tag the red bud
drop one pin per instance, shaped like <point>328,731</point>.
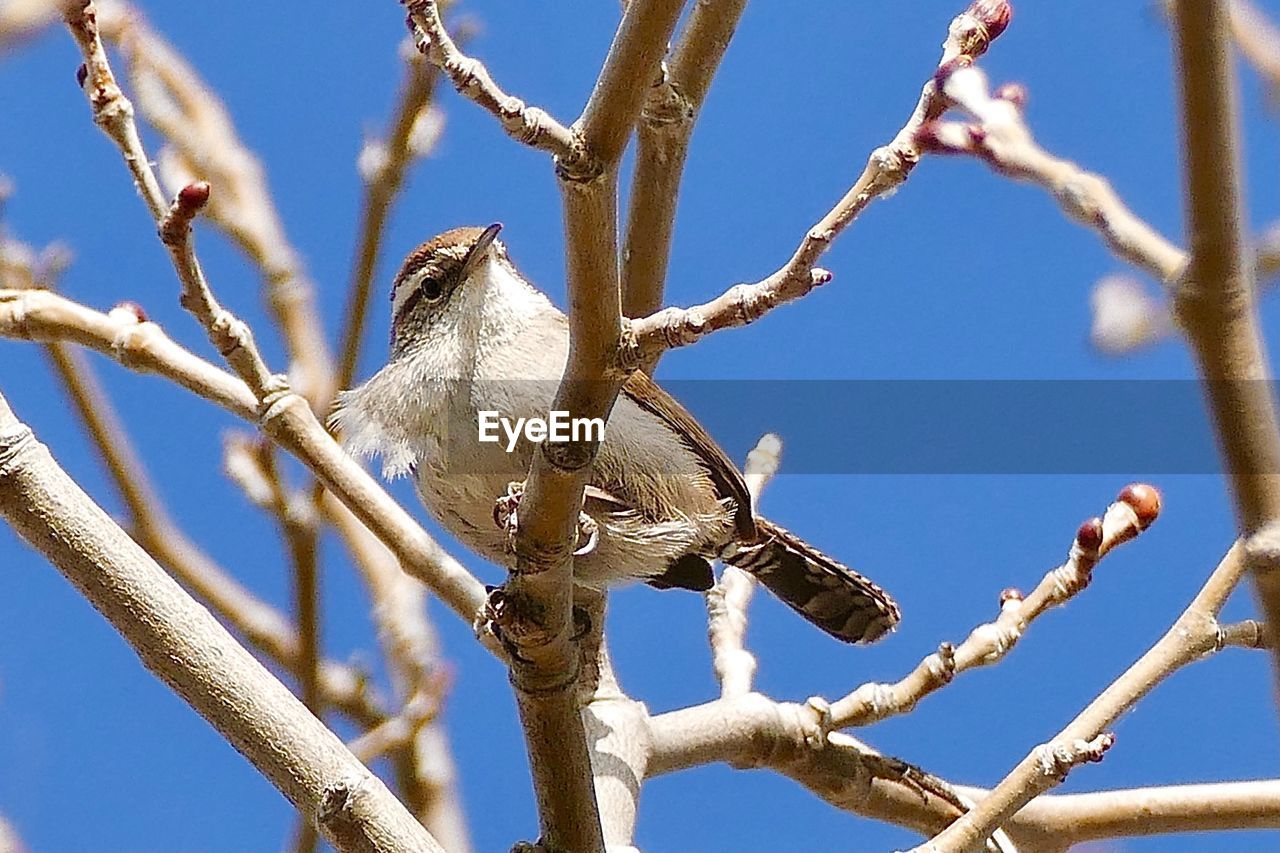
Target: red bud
<point>1145,502</point>
<point>994,15</point>
<point>195,194</point>
<point>1089,536</point>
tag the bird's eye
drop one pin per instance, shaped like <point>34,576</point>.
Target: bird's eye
<point>431,289</point>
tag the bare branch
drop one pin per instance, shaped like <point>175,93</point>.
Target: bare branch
<point>1075,818</point>
<point>269,630</point>
<point>1216,302</point>
<point>528,125</point>
<point>179,641</point>
<point>112,111</point>
<point>888,166</point>
<point>140,345</point>
<point>384,164</point>
<point>424,766</point>
<point>1195,634</point>
<point>1258,39</point>
<point>1001,138</point>
<point>662,144</point>
<point>1133,511</point>
<point>728,600</point>
<point>611,111</point>
<point>536,616</point>
<point>24,19</point>
<point>203,145</point>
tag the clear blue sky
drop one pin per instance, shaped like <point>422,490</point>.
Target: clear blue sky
<point>961,275</point>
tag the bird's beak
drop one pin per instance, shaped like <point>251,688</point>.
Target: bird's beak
<point>480,249</point>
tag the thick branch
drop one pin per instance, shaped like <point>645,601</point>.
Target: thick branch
<point>1075,818</point>
<point>181,643</point>
<point>1216,302</point>
<point>670,111</point>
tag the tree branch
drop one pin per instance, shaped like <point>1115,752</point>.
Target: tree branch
<point>182,644</point>
<point>670,111</point>
<point>1195,634</point>
<point>1001,138</point>
<point>528,125</point>
<point>203,145</point>
<point>968,37</point>
<point>1215,302</point>
<point>415,128</point>
<point>1133,511</point>
<point>140,345</point>
<point>727,601</point>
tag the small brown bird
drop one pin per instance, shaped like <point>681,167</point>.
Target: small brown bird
<point>473,339</point>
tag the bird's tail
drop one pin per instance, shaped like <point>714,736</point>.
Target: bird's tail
<point>827,593</point>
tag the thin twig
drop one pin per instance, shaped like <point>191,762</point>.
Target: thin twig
<point>968,37</point>
<point>528,125</point>
<point>203,145</point>
<point>1002,139</point>
<point>140,345</point>
<point>727,601</point>
<point>1133,511</point>
<point>1195,634</point>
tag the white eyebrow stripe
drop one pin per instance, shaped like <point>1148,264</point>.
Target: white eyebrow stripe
<point>407,288</point>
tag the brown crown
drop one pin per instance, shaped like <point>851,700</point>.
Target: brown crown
<point>451,239</point>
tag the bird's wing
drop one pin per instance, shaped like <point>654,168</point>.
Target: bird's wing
<point>726,477</point>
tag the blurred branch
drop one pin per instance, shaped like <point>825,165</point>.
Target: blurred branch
<point>1216,301</point>
<point>670,111</point>
<point>1133,511</point>
<point>182,644</point>
<point>202,144</point>
<point>423,763</point>
<point>269,630</point>
<point>1195,634</point>
<point>415,127</point>
<point>968,37</point>
<point>728,600</point>
<point>24,19</point>
<point>1257,38</point>
<point>10,841</point>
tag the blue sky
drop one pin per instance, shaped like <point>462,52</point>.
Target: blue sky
<point>961,275</point>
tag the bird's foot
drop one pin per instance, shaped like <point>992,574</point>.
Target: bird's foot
<point>588,530</point>
<point>505,511</point>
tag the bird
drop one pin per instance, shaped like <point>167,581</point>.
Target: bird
<point>471,338</point>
